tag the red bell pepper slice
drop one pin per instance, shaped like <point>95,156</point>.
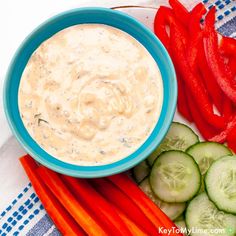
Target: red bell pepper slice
<point>232,64</point>
<point>227,108</point>
<point>193,50</point>
<point>221,137</point>
<point>228,46</point>
<point>228,50</point>
<point>205,129</point>
<point>192,80</point>
<point>195,31</point>
<point>163,19</point>
<point>182,103</point>
<point>196,15</point>
<point>180,12</point>
<point>218,68</point>
<point>212,86</point>
<point>231,139</point>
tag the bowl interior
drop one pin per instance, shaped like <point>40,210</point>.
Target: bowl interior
<point>80,16</point>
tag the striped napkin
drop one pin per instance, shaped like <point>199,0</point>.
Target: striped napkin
<point>21,212</point>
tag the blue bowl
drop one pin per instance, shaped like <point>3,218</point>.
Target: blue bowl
<point>80,16</point>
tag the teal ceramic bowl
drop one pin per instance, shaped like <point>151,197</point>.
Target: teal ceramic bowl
<point>49,28</point>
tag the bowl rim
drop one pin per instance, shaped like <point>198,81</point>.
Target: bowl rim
<point>101,170</point>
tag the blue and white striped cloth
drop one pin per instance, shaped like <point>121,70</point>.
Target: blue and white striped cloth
<point>21,212</point>
<point>25,214</point>
<point>226,16</point>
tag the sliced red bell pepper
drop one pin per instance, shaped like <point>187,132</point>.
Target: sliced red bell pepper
<point>228,46</point>
<point>228,50</point>
<point>231,139</point>
<point>182,104</point>
<point>212,86</point>
<point>59,215</point>
<point>218,68</point>
<point>193,50</point>
<point>180,11</point>
<point>193,81</point>
<point>104,211</point>
<point>196,14</point>
<point>232,144</point>
<point>219,138</point>
<point>196,35</point>
<point>222,137</point>
<point>163,19</point>
<point>151,210</point>
<point>232,64</point>
<point>125,204</point>
<point>206,130</point>
<point>227,108</point>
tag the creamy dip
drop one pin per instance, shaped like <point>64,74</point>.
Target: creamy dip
<point>90,95</point>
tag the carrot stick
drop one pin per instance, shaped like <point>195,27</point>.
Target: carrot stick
<point>149,208</point>
<point>135,230</point>
<point>61,218</point>
<point>100,207</point>
<point>74,207</point>
<point>125,204</point>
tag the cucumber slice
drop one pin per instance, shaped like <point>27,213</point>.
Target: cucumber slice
<point>220,183</point>
<point>141,171</point>
<point>175,177</point>
<point>205,153</point>
<point>179,137</point>
<point>202,215</point>
<point>182,226</point>
<point>172,210</point>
